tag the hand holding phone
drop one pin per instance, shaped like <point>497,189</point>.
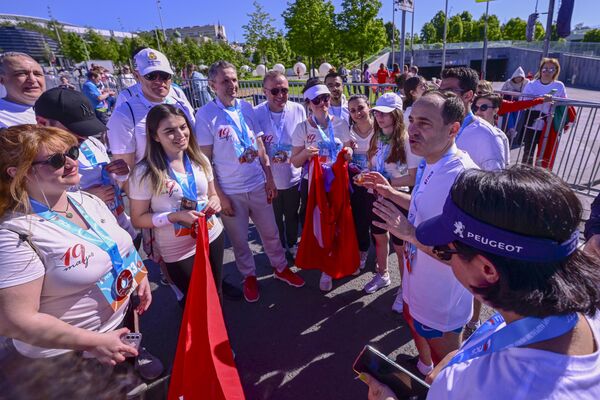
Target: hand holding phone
<point>133,339</point>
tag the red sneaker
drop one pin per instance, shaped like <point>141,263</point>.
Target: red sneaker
<point>251,289</point>
<point>289,277</point>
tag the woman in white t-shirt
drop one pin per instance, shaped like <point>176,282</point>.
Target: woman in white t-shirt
<point>361,132</point>
<point>389,158</point>
<point>67,269</point>
<point>546,83</point>
<point>320,135</point>
<point>170,188</point>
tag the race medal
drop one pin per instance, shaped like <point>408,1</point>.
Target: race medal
<point>188,204</point>
<point>281,153</point>
<point>117,288</point>
<point>123,284</point>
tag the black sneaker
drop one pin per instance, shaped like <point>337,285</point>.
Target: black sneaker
<point>148,366</point>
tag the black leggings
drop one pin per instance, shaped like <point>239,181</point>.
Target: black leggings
<point>362,204</point>
<point>181,271</point>
<point>530,138</point>
<point>285,207</point>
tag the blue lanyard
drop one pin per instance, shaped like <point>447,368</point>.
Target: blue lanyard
<point>101,238</point>
<point>278,128</point>
<point>329,141</point>
<point>383,150</point>
<point>189,187</point>
<point>242,134</point>
<point>106,179</point>
<point>467,121</point>
<point>522,332</point>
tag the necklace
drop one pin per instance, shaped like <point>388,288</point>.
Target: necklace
<point>67,213</point>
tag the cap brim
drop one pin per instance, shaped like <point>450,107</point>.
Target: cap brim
<point>152,68</point>
<point>89,127</point>
<point>434,232</point>
<point>383,109</point>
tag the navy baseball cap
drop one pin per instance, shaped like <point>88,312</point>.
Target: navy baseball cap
<point>453,224</point>
<point>72,109</point>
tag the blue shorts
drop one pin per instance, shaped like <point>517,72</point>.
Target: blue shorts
<point>430,333</point>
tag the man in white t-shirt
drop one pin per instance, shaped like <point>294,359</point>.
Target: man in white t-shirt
<point>23,79</point>
<point>437,306</point>
<point>477,137</point>
<point>230,137</point>
<point>277,119</point>
<point>338,106</point>
<point>127,124</point>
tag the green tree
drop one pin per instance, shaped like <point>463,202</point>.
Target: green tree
<point>100,48</point>
<point>593,35</point>
<point>514,29</point>
<point>494,30</point>
<point>429,34</point>
<point>455,29</point>
<point>540,32</point>
<point>73,47</point>
<point>361,32</point>
<point>309,25</point>
<point>389,29</point>
<point>259,31</point>
<point>438,21</point>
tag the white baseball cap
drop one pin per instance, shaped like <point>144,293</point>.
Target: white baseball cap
<point>150,60</point>
<point>388,103</point>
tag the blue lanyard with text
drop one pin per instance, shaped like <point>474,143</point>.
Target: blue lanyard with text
<point>101,238</point>
<point>466,122</point>
<point>278,127</point>
<point>106,180</point>
<point>242,133</point>
<point>189,187</point>
<point>519,333</point>
<point>330,141</point>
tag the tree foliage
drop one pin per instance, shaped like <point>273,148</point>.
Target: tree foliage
<point>593,35</point>
<point>390,31</point>
<point>259,32</point>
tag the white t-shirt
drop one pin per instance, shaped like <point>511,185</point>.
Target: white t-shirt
<point>306,135</point>
<point>172,247</point>
<point>435,297</point>
<point>128,92</point>
<point>361,147</point>
<point>15,114</point>
<point>397,169</point>
<point>284,173</point>
<point>70,265</point>
<point>500,133</point>
<point>340,112</point>
<point>523,373</point>
<point>484,144</point>
<point>536,88</point>
<point>91,175</point>
<point>127,124</point>
<point>214,129</point>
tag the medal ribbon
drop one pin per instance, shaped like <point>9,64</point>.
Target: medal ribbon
<point>383,151</point>
<point>106,179</point>
<point>189,187</point>
<point>329,141</point>
<point>242,134</point>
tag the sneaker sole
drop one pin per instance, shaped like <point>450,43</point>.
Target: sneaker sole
<point>288,282</point>
<point>376,289</point>
<point>251,300</point>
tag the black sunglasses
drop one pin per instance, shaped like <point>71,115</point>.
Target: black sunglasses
<point>276,91</point>
<point>319,99</point>
<point>444,252</point>
<point>58,160</point>
<point>483,107</point>
<point>152,76</point>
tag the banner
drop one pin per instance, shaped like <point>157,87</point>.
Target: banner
<point>406,5</point>
<point>204,367</point>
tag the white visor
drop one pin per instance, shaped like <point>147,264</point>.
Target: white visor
<point>314,91</point>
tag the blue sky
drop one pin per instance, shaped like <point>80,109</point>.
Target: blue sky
<point>142,14</point>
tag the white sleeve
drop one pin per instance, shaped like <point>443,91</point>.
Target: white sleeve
<point>203,128</point>
<point>121,131</point>
<point>139,189</point>
<point>19,263</point>
<point>299,135</point>
<point>251,120</point>
<point>342,131</point>
<point>493,159</point>
<point>412,160</point>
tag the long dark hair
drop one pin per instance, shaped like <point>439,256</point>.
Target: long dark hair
<point>155,160</point>
<point>530,201</point>
<point>409,85</point>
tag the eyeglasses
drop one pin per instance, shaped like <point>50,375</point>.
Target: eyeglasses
<point>58,160</point>
<point>152,76</point>
<point>444,252</point>
<point>321,98</point>
<point>276,91</point>
<point>483,107</point>
<point>457,91</point>
<point>551,70</point>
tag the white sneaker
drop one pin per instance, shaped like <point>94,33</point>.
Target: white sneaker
<point>325,283</point>
<point>398,305</point>
<point>363,259</point>
<point>377,283</point>
<point>293,250</point>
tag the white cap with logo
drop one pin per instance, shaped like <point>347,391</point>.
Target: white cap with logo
<point>388,103</point>
<point>150,60</point>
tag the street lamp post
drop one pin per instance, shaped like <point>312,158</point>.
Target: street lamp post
<point>445,35</point>
<point>393,29</point>
<point>548,29</point>
<point>161,20</point>
<point>485,40</point>
<point>403,38</point>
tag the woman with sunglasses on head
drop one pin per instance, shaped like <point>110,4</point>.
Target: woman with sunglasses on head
<point>546,83</point>
<point>67,269</point>
<point>321,135</point>
<point>544,341</point>
<point>170,188</point>
<point>390,162</point>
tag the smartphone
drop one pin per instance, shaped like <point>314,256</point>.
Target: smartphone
<point>133,339</point>
<point>401,381</point>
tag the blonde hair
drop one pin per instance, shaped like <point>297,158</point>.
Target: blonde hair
<point>485,87</point>
<point>155,160</point>
<point>552,61</point>
<point>19,145</point>
<point>397,141</point>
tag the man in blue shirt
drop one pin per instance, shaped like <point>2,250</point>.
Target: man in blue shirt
<point>97,98</point>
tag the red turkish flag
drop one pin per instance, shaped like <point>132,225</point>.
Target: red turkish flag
<point>204,366</point>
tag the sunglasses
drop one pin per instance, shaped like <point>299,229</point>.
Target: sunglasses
<point>444,252</point>
<point>321,98</point>
<point>276,91</point>
<point>483,107</point>
<point>152,76</point>
<point>551,70</point>
<point>58,160</point>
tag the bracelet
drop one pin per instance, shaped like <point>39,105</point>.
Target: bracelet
<point>119,178</point>
<point>161,219</point>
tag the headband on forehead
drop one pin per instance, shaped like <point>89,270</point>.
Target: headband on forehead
<point>454,224</point>
<point>314,91</point>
